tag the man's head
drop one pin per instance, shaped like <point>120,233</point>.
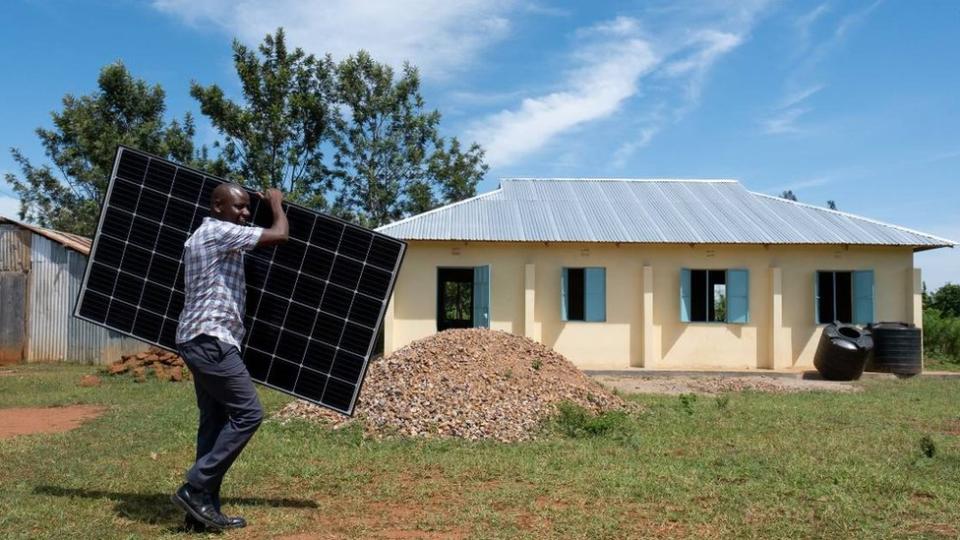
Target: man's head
<point>230,202</point>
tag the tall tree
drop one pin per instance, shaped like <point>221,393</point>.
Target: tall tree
<point>82,146</point>
<point>390,159</point>
<point>946,299</point>
<point>276,137</point>
<point>788,195</point>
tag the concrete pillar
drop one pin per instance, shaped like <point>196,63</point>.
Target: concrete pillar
<point>529,302</point>
<point>915,297</point>
<point>650,342</point>
<point>779,351</point>
<point>915,301</point>
<point>388,340</point>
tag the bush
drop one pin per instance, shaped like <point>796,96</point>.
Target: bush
<point>576,422</point>
<point>941,335</point>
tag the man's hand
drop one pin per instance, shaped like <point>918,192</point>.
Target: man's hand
<point>272,196</point>
<point>279,231</point>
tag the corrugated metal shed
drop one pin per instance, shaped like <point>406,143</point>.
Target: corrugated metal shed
<point>647,211</point>
<point>51,264</point>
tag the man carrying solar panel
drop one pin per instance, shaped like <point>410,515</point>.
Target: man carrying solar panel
<point>208,339</point>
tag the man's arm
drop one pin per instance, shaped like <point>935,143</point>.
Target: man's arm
<point>279,232</point>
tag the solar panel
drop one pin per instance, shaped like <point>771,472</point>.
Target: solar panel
<point>314,303</point>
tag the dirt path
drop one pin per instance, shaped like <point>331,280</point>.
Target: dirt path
<point>29,420</point>
<point>718,385</point>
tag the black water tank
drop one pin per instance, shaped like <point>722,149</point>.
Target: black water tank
<point>842,352</point>
<point>898,348</point>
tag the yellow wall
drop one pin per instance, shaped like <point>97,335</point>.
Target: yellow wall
<point>619,342</point>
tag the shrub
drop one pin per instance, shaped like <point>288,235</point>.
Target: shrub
<point>574,421</point>
<point>686,403</point>
<point>941,335</point>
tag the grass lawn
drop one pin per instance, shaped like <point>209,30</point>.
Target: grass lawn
<point>940,363</point>
<point>748,465</point>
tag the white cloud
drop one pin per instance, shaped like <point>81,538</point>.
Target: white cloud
<point>608,73</point>
<point>626,150</point>
<point>796,97</point>
<point>784,121</point>
<point>611,60</point>
<point>805,22</point>
<point>9,206</point>
<point>784,118</point>
<point>438,36</point>
<point>802,184</point>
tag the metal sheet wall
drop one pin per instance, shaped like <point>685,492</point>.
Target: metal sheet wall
<point>54,333</point>
<point>14,249</point>
<point>48,302</point>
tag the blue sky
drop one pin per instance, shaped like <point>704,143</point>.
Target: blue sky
<point>858,102</point>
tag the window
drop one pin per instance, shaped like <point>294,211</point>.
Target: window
<point>583,294</point>
<point>844,296</point>
<point>463,297</point>
<point>714,296</point>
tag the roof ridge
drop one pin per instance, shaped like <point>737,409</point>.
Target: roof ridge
<point>437,209</point>
<point>615,179</point>
<point>855,216</point>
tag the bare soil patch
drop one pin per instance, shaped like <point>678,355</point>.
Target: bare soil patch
<point>721,385</point>
<point>30,420</point>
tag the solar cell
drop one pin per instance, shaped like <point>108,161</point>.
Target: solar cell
<point>314,304</point>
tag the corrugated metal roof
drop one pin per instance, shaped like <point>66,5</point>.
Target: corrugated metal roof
<point>75,242</point>
<point>657,211</point>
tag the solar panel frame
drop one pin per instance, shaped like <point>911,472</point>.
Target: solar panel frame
<point>345,367</point>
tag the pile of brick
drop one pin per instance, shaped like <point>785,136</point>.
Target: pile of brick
<point>472,384</point>
<point>164,365</point>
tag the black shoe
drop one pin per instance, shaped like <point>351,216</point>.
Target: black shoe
<point>198,504</point>
<point>190,523</point>
<point>235,522</point>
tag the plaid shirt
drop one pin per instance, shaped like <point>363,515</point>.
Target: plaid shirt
<point>213,278</point>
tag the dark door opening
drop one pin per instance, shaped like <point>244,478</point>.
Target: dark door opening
<point>454,298</point>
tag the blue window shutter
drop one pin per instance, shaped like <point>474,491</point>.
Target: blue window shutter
<point>816,298</point>
<point>685,294</point>
<point>481,297</point>
<point>563,294</point>
<point>595,292</point>
<point>863,297</point>
<point>738,296</point>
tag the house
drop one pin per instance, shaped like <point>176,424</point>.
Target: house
<point>41,271</point>
<point>678,274</point>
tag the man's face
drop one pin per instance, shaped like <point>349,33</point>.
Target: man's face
<point>234,207</point>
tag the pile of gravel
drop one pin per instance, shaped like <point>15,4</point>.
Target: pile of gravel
<point>472,384</point>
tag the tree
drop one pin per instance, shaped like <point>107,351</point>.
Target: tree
<point>82,147</point>
<point>276,138</point>
<point>384,158</point>
<point>946,300</point>
<point>788,195</point>
<point>831,205</point>
<point>390,159</point>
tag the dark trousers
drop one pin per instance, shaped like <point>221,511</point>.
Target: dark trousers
<point>230,411</point>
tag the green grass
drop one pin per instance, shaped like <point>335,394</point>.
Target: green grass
<point>747,465</point>
<point>939,362</point>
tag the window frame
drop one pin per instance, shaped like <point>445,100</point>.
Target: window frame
<point>474,306</point>
<point>687,300</point>
<point>857,315</point>
<point>588,293</point>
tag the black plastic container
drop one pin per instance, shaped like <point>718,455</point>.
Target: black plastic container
<point>842,352</point>
<point>898,348</point>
